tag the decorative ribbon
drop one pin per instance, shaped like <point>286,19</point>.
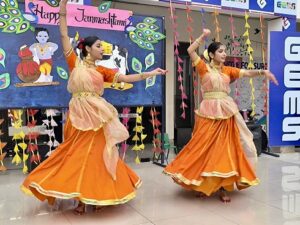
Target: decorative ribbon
<point>32,136</point>
<point>251,61</point>
<point>124,145</point>
<point>179,61</point>
<point>217,24</point>
<point>139,136</point>
<point>2,154</point>
<point>235,53</point>
<point>263,53</point>
<point>155,125</point>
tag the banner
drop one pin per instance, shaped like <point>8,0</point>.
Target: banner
<point>208,2</point>
<point>284,102</point>
<point>262,5</point>
<point>80,16</point>
<point>238,4</point>
<point>285,7</point>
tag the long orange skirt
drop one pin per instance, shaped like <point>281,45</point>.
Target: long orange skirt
<point>76,170</point>
<point>212,159</point>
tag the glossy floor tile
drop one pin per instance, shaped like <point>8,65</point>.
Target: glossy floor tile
<point>276,201</point>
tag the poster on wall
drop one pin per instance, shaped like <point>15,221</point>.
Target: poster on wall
<point>33,70</point>
<point>284,101</point>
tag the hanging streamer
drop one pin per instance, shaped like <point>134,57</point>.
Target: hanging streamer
<point>2,145</point>
<point>234,53</point>
<point>155,125</point>
<point>190,32</point>
<point>251,62</point>
<point>263,53</point>
<point>217,25</point>
<point>139,136</point>
<point>50,123</point>
<point>16,117</point>
<point>32,135</point>
<point>124,145</point>
<point>173,18</point>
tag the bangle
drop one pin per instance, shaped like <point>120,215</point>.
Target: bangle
<point>199,41</point>
<point>260,73</point>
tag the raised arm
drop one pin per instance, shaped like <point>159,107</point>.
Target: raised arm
<point>138,77</point>
<point>63,28</point>
<point>266,73</point>
<point>195,45</point>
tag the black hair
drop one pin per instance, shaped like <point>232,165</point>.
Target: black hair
<point>213,47</point>
<point>88,41</point>
<point>39,29</point>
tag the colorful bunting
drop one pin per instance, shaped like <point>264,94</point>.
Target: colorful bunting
<point>50,123</point>
<point>139,136</point>
<point>217,25</point>
<point>235,52</point>
<point>263,53</point>
<point>125,120</point>
<point>155,125</point>
<point>173,18</point>
<point>2,154</point>
<point>251,62</point>
<point>32,135</point>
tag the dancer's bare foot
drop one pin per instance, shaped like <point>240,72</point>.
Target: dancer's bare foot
<point>200,195</point>
<point>98,208</point>
<point>224,196</point>
<point>80,209</point>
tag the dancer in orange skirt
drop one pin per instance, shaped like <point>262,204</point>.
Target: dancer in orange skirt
<point>86,166</point>
<point>221,152</point>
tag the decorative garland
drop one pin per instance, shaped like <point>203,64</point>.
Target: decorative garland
<point>235,52</point>
<point>139,135</point>
<point>263,53</point>
<point>173,18</point>
<point>2,154</point>
<point>251,61</point>
<point>124,145</point>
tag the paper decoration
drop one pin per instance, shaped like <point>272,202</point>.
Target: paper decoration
<point>125,120</point>
<point>16,116</point>
<point>52,3</point>
<point>263,53</point>
<point>62,73</point>
<point>2,57</point>
<point>139,136</point>
<point>2,153</point>
<point>11,18</point>
<point>235,52</point>
<point>32,136</point>
<point>251,61</point>
<point>104,7</point>
<point>155,125</point>
<point>217,25</point>
<point>144,34</point>
<point>173,18</point>
<point>50,123</point>
<point>4,81</point>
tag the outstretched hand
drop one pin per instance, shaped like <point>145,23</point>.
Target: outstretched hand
<point>271,77</point>
<point>158,71</point>
<point>206,32</point>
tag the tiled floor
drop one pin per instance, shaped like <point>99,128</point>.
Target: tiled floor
<point>276,201</point>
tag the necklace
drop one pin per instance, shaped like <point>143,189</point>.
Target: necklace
<point>89,63</point>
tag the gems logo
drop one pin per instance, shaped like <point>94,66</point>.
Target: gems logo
<point>291,98</point>
<point>262,3</point>
<point>286,5</point>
